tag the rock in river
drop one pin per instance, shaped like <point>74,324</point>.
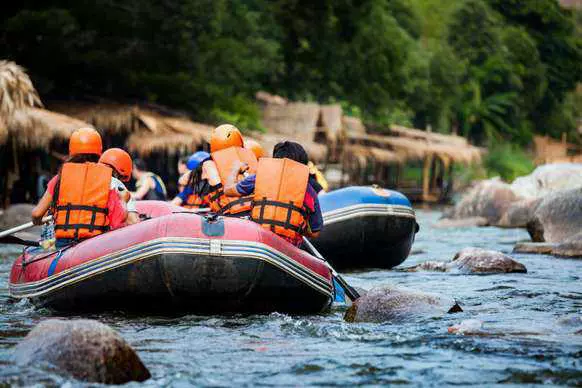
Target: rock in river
<point>474,260</point>
<point>557,217</point>
<point>394,304</point>
<point>489,199</point>
<point>85,349</point>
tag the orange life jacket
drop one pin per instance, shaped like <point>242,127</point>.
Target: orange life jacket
<point>279,195</point>
<point>80,200</point>
<point>224,160</point>
<point>194,201</point>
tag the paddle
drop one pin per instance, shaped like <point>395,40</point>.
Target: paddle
<point>6,238</point>
<point>18,240</point>
<point>350,291</point>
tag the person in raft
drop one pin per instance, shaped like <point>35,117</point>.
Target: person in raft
<point>226,150</point>
<point>183,172</point>
<point>195,193</point>
<point>83,198</point>
<point>149,186</point>
<point>283,200</point>
<point>122,165</point>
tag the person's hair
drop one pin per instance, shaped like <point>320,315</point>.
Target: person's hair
<point>80,158</point>
<point>290,150</point>
<point>195,180</point>
<point>183,160</point>
<point>139,164</point>
<point>83,158</point>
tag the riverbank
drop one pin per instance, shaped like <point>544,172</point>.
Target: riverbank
<point>528,335</point>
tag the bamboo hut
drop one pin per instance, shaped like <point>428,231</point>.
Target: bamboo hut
<point>30,136</point>
<point>548,150</point>
<point>156,134</point>
<point>415,162</point>
<point>304,122</point>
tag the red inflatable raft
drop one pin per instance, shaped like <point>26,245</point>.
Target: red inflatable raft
<point>176,261</point>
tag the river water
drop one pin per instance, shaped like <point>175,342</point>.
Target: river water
<point>532,330</point>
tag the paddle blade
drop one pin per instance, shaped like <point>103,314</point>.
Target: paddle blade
<point>18,241</point>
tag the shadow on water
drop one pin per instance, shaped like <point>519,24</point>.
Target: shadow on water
<point>531,330</point>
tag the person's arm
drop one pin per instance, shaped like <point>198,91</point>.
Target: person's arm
<point>143,189</point>
<point>132,218</point>
<point>210,173</point>
<point>41,208</point>
<point>315,218</point>
<point>230,189</point>
<point>176,201</point>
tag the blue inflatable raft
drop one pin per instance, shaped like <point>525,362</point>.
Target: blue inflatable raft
<point>366,227</point>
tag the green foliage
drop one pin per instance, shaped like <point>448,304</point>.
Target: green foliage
<point>507,161</point>
<point>488,69</point>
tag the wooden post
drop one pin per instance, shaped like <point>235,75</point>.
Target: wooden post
<point>426,177</point>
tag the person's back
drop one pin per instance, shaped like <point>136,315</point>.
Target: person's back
<point>283,200</point>
<point>81,197</point>
<point>227,150</point>
<point>80,203</point>
<point>278,201</point>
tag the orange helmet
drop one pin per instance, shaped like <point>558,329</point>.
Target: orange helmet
<point>119,160</point>
<point>225,136</point>
<point>254,146</point>
<point>85,141</point>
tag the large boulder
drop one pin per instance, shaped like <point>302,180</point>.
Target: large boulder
<point>519,213</point>
<point>394,304</point>
<point>474,261</point>
<point>489,199</point>
<point>557,217</point>
<point>16,215</point>
<point>571,247</point>
<point>548,179</point>
<point>85,349</point>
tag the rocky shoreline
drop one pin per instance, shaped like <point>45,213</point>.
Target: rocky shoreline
<point>548,203</point>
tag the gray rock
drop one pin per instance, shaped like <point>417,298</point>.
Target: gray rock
<point>85,349</point>
<point>394,304</point>
<point>548,179</point>
<point>557,217</point>
<point>16,215</point>
<point>489,199</point>
<point>461,223</point>
<point>474,261</point>
<point>571,247</point>
<point>518,213</point>
<point>534,247</point>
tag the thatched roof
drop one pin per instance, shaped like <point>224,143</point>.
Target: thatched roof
<point>36,127</point>
<point>415,148</point>
<point>297,120</point>
<point>17,93</point>
<point>331,120</point>
<point>269,98</point>
<point>353,125</point>
<point>109,117</point>
<point>373,153</point>
<point>316,152</point>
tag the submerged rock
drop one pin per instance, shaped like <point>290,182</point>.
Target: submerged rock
<point>469,326</point>
<point>85,349</point>
<point>474,260</point>
<point>557,217</point>
<point>534,247</point>
<point>571,247</point>
<point>489,199</point>
<point>394,304</point>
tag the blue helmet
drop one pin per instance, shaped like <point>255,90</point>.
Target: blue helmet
<point>197,159</point>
